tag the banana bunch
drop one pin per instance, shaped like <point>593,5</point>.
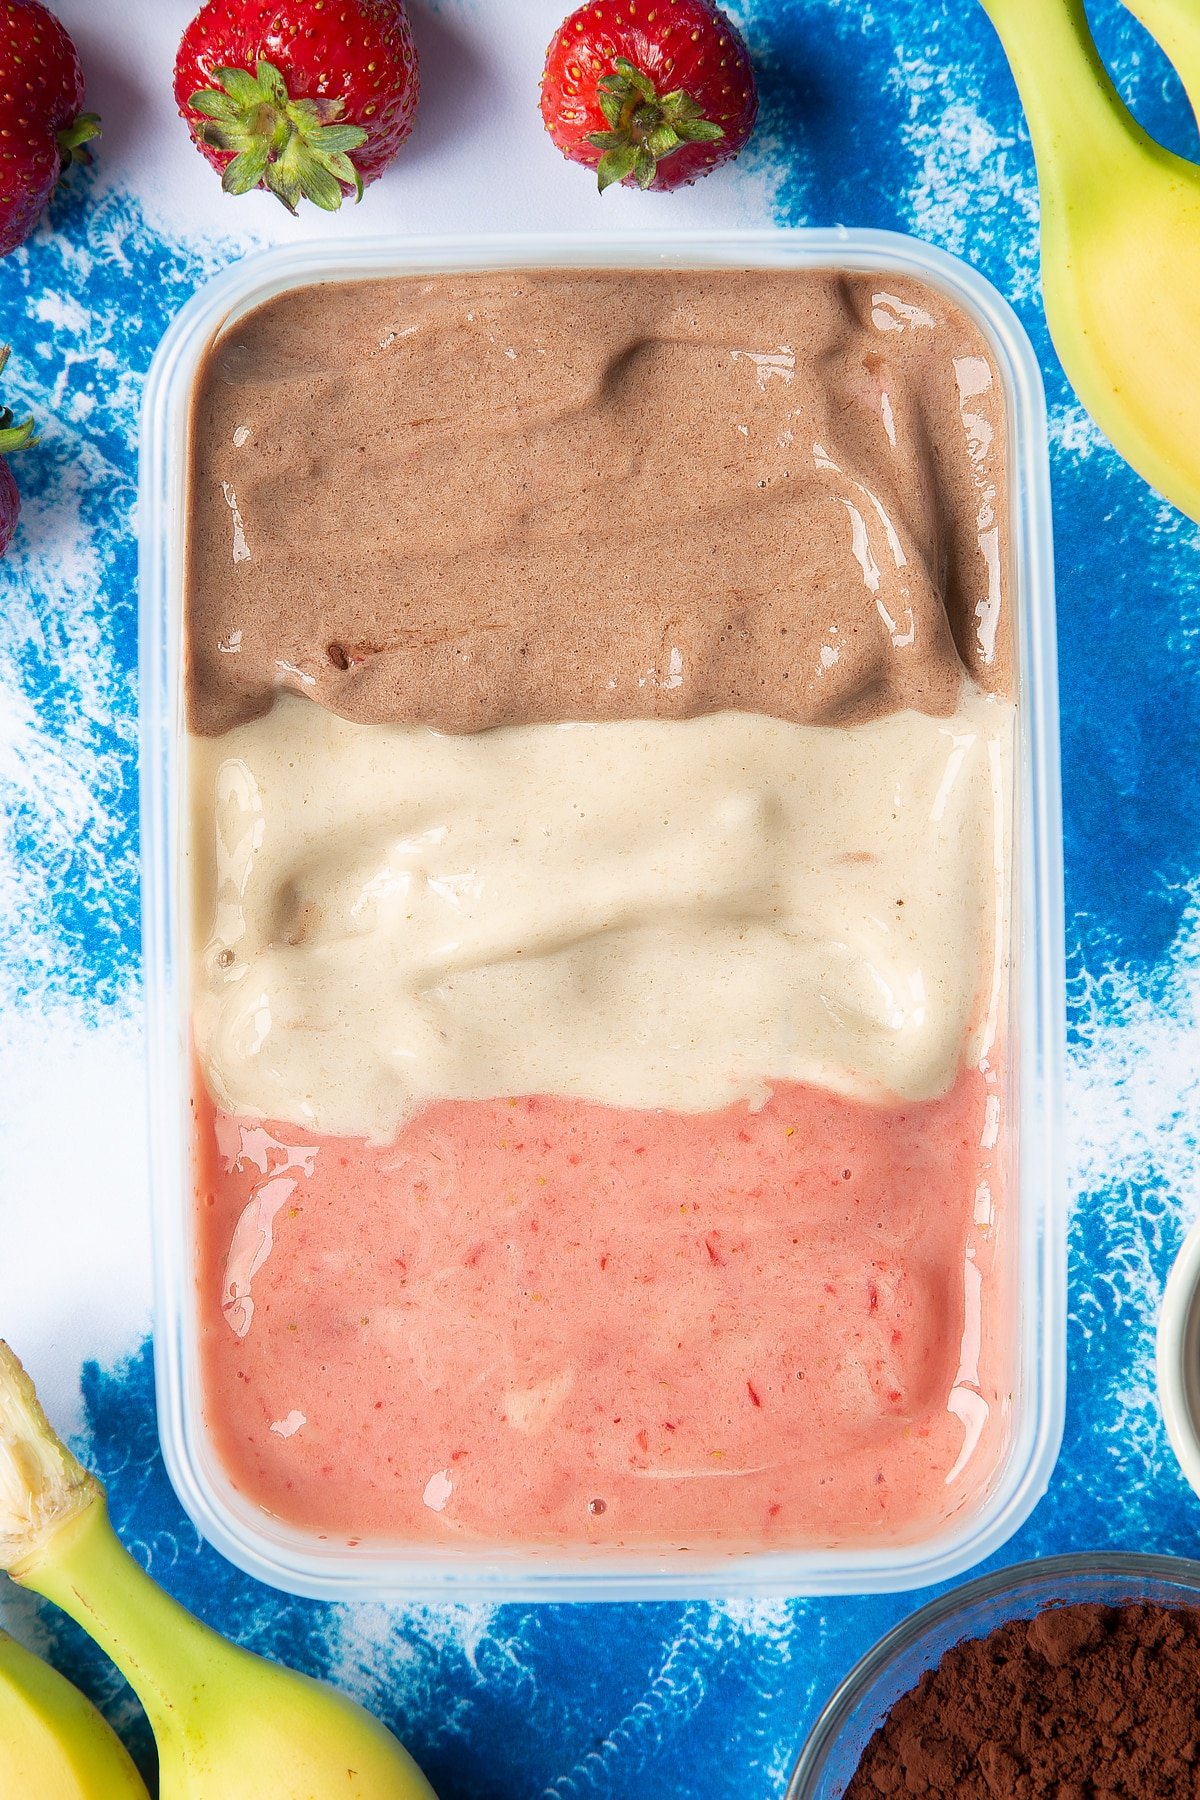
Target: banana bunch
<point>229,1726</point>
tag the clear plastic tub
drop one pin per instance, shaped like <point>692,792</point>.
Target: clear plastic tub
<point>300,1562</point>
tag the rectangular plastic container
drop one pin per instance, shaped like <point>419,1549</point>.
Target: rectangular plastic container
<point>301,1563</point>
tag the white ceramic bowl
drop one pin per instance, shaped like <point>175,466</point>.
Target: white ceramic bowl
<point>1179,1357</point>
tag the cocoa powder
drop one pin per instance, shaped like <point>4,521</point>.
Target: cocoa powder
<point>1081,1703</point>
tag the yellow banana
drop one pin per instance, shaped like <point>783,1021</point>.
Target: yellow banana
<point>229,1726</point>
<point>1120,238</point>
<point>1176,25</point>
<point>53,1743</point>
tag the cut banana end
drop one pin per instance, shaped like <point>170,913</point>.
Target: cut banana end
<point>53,1743</point>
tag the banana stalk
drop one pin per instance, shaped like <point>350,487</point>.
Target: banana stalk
<point>229,1726</point>
<point>53,1743</point>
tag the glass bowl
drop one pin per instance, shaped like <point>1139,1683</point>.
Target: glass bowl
<point>835,1744</point>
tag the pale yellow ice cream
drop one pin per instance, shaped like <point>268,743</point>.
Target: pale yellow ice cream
<point>642,913</point>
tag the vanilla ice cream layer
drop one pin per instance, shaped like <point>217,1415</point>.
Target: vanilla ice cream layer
<point>641,913</point>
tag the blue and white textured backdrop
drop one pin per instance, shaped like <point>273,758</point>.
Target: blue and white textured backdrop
<point>896,113</point>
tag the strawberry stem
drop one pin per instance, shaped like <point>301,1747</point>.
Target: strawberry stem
<point>644,125</point>
<point>73,138</point>
<point>297,149</point>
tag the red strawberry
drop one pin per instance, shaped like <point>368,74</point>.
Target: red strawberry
<point>308,98</point>
<point>649,92</point>
<point>43,127</point>
<point>12,437</point>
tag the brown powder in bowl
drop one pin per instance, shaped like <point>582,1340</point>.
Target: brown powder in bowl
<point>1080,1703</point>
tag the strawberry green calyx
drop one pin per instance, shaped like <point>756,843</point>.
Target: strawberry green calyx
<point>13,436</point>
<point>644,126</point>
<point>295,148</point>
<point>73,139</point>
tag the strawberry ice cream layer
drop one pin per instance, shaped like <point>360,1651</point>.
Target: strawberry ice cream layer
<point>549,1321</point>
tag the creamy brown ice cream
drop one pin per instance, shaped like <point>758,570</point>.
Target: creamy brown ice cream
<point>510,498</point>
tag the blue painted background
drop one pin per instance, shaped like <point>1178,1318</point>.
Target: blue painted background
<point>897,113</point>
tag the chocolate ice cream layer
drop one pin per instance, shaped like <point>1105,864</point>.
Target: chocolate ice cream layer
<point>510,498</point>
